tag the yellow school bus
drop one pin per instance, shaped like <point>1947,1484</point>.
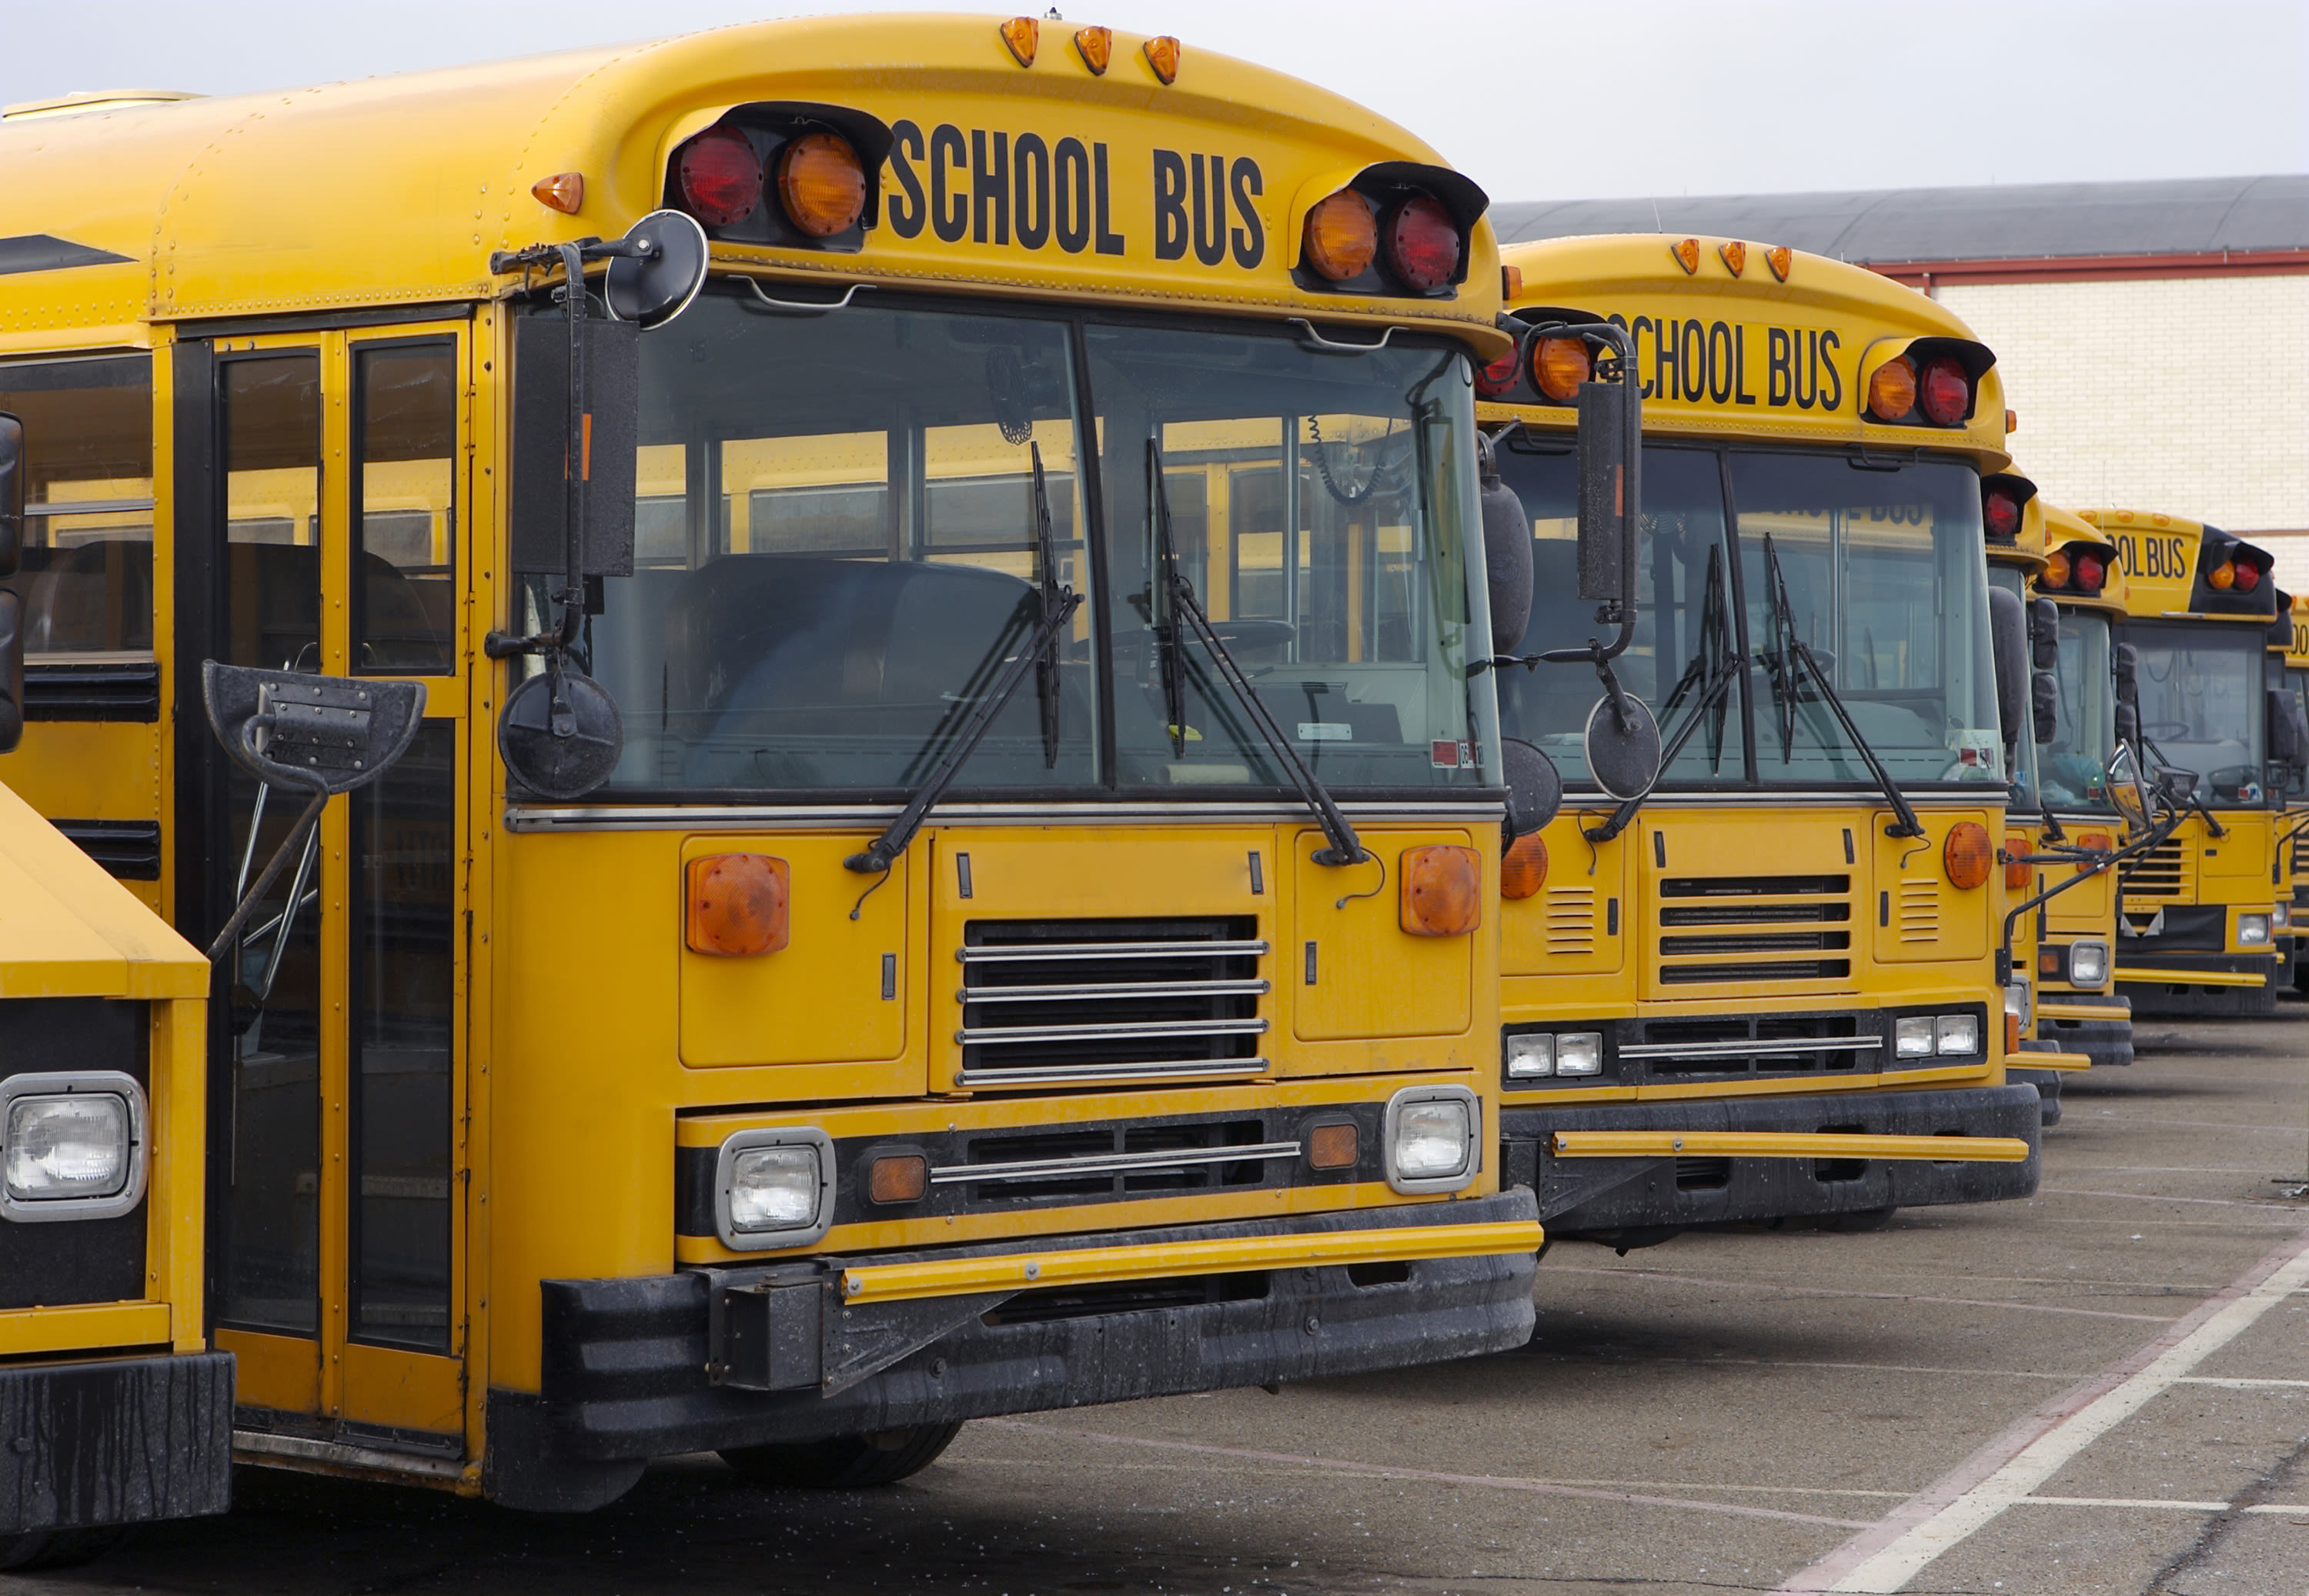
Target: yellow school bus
<point>2294,621</point>
<point>2197,921</point>
<point>2288,775</point>
<point>1765,986</point>
<point>946,870</point>
<point>2077,1005</point>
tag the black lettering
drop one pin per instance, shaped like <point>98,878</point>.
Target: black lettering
<point>1691,354</point>
<point>1169,202</point>
<point>1070,197</point>
<point>1650,385</point>
<point>906,206</point>
<point>1777,385</point>
<point>1832,397</point>
<point>1740,365</point>
<point>1211,215</point>
<point>1665,380</point>
<point>948,220</point>
<point>1032,169</point>
<point>1250,239</point>
<point>1109,241</point>
<point>1719,364</point>
<point>1807,373</point>
<point>989,186</point>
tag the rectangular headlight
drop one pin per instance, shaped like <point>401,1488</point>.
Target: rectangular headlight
<point>775,1187</point>
<point>1531,1057</point>
<point>1579,1053</point>
<point>1956,1034</point>
<point>2088,963</point>
<point>2017,1003</point>
<point>2253,930</point>
<point>1912,1036</point>
<point>62,1147</point>
<point>1430,1138</point>
<point>2281,917</point>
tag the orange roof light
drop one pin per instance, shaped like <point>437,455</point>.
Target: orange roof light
<point>1892,389</point>
<point>1558,366</point>
<point>1162,54</point>
<point>1341,237</point>
<point>1022,36</point>
<point>1510,282</point>
<point>2056,570</point>
<point>741,905</point>
<point>1687,254</point>
<point>2222,576</point>
<point>2016,870</point>
<point>1523,869</point>
<point>1780,258</point>
<point>1735,256</point>
<point>1967,855</point>
<point>2012,422</point>
<point>564,192</point>
<point>821,185</point>
<point>1443,890</point>
<point>1096,46</point>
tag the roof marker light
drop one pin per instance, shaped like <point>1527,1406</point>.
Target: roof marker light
<point>1780,258</point>
<point>2012,422</point>
<point>564,192</point>
<point>1096,46</point>
<point>1162,54</point>
<point>1510,282</point>
<point>1686,251</point>
<point>1735,255</point>
<point>1022,36</point>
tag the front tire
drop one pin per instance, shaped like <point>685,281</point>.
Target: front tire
<point>843,1463</point>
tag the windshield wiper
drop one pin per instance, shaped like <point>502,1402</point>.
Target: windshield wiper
<point>1714,666</point>
<point>1789,651</point>
<point>2214,829</point>
<point>1179,596</point>
<point>1058,605</point>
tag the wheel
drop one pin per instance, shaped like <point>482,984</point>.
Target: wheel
<point>845,1462</point>
<point>54,1549</point>
<point>1858,1222</point>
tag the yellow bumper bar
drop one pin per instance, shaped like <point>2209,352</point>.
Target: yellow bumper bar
<point>2027,1060</point>
<point>1103,1265</point>
<point>2193,978</point>
<point>2084,1010</point>
<point>28,1330</point>
<point>1943,1150</point>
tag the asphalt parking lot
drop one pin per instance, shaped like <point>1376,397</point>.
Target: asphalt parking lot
<point>2104,1389</point>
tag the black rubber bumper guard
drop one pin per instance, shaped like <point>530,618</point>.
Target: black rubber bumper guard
<point>630,1366</point>
<point>120,1441</point>
<point>2108,1043</point>
<point>1635,1199</point>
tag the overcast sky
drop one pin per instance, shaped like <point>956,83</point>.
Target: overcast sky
<point>1535,101</point>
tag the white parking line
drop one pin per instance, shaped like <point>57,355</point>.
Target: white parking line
<point>2008,1467</point>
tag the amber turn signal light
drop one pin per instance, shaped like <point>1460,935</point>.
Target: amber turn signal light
<point>564,192</point>
<point>821,185</point>
<point>2016,869</point>
<point>1558,366</point>
<point>1523,870</point>
<point>739,904</point>
<point>2096,842</point>
<point>1341,236</point>
<point>1162,56</point>
<point>898,1178</point>
<point>1686,251</point>
<point>1442,890</point>
<point>1096,47</point>
<point>1892,389</point>
<point>1735,256</point>
<point>2011,1034</point>
<point>1966,854</point>
<point>1332,1147</point>
<point>1022,36</point>
<point>1779,258</point>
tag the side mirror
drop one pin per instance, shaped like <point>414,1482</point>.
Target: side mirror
<point>2043,634</point>
<point>2008,633</point>
<point>2126,790</point>
<point>1611,467</point>
<point>2044,705</point>
<point>12,608</point>
<point>1535,787</point>
<point>2126,666</point>
<point>1507,553</point>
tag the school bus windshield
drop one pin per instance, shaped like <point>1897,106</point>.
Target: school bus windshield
<point>837,550</point>
<point>2075,763</point>
<point>2201,704</point>
<point>1884,582</point>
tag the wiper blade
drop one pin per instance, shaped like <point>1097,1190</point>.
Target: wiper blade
<point>1058,604</point>
<point>1178,597</point>
<point>1714,666</point>
<point>1789,653</point>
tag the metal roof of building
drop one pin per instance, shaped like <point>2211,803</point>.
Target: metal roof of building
<point>2020,222</point>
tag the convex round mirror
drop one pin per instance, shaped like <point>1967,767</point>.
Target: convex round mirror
<point>654,287</point>
<point>1623,756</point>
<point>1535,787</point>
<point>560,747</point>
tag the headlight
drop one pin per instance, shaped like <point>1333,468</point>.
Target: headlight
<point>775,1187</point>
<point>2282,918</point>
<point>2253,930</point>
<point>1956,1034</point>
<point>1531,1057</point>
<point>1579,1053</point>
<point>1432,1138</point>
<point>2017,1003</point>
<point>72,1146</point>
<point>2088,963</point>
<point>1912,1036</point>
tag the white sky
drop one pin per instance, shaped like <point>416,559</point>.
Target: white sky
<point>1639,98</point>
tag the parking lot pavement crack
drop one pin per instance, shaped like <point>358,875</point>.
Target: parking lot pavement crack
<point>2217,1528</point>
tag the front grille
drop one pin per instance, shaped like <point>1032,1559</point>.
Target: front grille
<point>1722,929</point>
<point>2300,853</point>
<point>1054,1002</point>
<point>1127,1161</point>
<point>1756,1044</point>
<point>1126,1297</point>
<point>2163,872</point>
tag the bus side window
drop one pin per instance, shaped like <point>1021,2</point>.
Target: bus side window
<point>86,580</point>
<point>405,521</point>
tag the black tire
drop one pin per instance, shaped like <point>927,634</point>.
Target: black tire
<point>34,1549</point>
<point>1860,1222</point>
<point>845,1462</point>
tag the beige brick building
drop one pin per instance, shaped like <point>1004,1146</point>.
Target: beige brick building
<point>2154,337</point>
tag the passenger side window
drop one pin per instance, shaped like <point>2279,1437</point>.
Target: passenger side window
<point>86,581</point>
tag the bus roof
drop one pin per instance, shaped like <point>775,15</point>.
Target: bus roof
<point>2175,567</point>
<point>2296,634</point>
<point>67,930</point>
<point>2069,534</point>
<point>396,190</point>
<point>1770,344</point>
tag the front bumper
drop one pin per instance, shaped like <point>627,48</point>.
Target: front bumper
<point>2172,986</point>
<point>122,1441</point>
<point>645,1367</point>
<point>2098,1027</point>
<point>1609,1197</point>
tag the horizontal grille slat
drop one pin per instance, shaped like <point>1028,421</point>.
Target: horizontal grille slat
<point>2163,872</point>
<point>1737,929</point>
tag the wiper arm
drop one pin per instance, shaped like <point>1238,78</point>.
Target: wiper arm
<point>1178,594</point>
<point>1058,607</point>
<point>1789,650</point>
<point>1714,666</point>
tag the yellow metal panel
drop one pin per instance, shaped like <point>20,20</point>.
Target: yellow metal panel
<point>827,997</point>
<point>2000,1150</point>
<point>2027,1058</point>
<point>2155,975</point>
<point>1567,927</point>
<point>66,927</point>
<point>1916,914</point>
<point>24,1331</point>
<point>955,1277</point>
<point>1352,970</point>
<point>405,1390</point>
<point>283,1372</point>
